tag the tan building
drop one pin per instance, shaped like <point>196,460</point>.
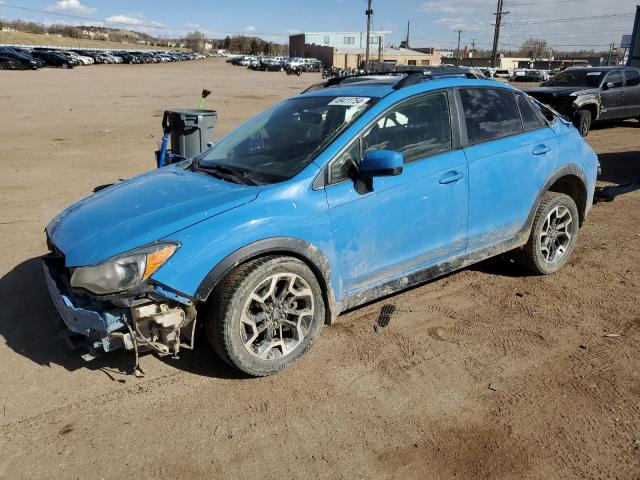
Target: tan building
<point>394,56</point>
<point>354,57</point>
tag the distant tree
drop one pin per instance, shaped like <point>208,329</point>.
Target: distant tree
<point>226,43</point>
<point>254,46</point>
<point>195,41</point>
<point>534,48</point>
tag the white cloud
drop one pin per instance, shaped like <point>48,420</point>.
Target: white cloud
<point>250,28</point>
<point>133,21</point>
<point>125,19</point>
<point>457,6</point>
<point>438,7</point>
<point>70,6</point>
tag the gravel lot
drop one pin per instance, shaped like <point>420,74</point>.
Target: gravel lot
<point>411,400</point>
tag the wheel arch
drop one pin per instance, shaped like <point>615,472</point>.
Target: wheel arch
<point>591,106</point>
<point>573,186</point>
<point>285,246</point>
<point>570,180</point>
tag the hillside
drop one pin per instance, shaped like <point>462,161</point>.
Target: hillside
<point>36,39</point>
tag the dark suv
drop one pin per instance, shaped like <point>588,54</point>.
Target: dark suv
<point>587,95</point>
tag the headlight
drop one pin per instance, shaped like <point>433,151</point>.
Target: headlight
<point>124,271</point>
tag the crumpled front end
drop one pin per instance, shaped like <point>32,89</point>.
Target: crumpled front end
<point>150,319</point>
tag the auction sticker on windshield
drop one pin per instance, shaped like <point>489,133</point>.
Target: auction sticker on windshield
<point>350,101</point>
<point>591,74</point>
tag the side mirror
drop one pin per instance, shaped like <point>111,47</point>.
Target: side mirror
<point>607,86</point>
<point>381,163</point>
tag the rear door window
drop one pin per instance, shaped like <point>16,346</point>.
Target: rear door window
<point>489,113</point>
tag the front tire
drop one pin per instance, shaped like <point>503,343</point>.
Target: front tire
<point>265,314</point>
<point>582,121</point>
<point>553,234</point>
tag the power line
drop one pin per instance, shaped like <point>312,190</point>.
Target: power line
<point>571,19</point>
<point>517,4</point>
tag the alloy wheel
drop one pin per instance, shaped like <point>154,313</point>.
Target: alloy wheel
<point>277,316</point>
<point>555,235</point>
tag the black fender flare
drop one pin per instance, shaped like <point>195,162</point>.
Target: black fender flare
<point>569,169</point>
<point>289,246</point>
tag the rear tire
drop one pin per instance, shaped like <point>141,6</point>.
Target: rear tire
<point>553,234</point>
<point>582,121</point>
<point>265,314</point>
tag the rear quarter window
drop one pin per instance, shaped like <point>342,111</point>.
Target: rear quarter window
<point>489,113</point>
<point>530,121</point>
<point>632,77</point>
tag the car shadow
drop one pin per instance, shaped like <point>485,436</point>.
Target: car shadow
<point>621,169</point>
<point>30,326</point>
<point>501,266</point>
<point>609,124</point>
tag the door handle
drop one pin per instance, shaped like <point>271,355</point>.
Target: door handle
<point>451,177</point>
<point>541,150</point>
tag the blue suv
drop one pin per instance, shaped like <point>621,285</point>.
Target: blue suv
<point>356,189</point>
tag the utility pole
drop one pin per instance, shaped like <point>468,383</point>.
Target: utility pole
<point>369,13</point>
<point>473,50</point>
<point>610,52</point>
<point>458,49</point>
<point>408,26</point>
<point>496,35</point>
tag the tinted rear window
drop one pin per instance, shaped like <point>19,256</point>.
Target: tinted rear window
<point>489,113</point>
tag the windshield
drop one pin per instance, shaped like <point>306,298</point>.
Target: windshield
<point>577,78</point>
<point>280,142</point>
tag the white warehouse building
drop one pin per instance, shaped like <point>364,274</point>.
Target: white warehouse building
<point>340,40</point>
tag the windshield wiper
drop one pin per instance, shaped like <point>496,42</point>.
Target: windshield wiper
<point>224,171</point>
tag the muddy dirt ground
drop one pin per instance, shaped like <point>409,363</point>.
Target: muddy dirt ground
<point>410,401</point>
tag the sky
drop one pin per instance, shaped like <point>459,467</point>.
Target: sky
<point>433,23</point>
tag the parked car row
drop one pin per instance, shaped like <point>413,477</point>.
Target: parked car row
<point>276,64</point>
<point>518,74</point>
<point>33,58</point>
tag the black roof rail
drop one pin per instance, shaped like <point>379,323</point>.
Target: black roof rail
<point>408,76</point>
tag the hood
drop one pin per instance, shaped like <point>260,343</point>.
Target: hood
<point>141,210</point>
<point>560,91</point>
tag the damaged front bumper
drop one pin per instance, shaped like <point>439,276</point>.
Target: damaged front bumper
<point>156,321</point>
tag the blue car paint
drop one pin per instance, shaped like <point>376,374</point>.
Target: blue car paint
<point>379,160</point>
<point>409,222</point>
<point>424,221</point>
<point>139,211</point>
